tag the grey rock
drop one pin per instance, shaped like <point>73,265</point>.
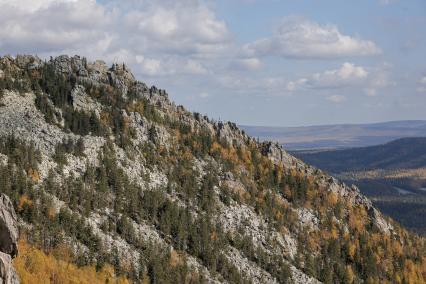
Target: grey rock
<point>230,133</point>
<point>62,64</point>
<point>8,227</point>
<point>28,62</point>
<point>8,274</point>
<point>81,101</point>
<point>8,241</point>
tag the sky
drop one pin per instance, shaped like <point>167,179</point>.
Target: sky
<point>253,62</point>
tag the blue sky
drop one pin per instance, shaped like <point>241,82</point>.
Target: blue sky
<point>257,62</point>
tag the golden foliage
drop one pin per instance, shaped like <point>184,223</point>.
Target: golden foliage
<point>24,200</point>
<point>34,266</point>
<point>105,118</point>
<point>138,106</point>
<point>332,199</point>
<point>349,274</point>
<point>397,248</point>
<point>34,175</point>
<point>352,250</point>
<point>215,148</point>
<point>358,218</point>
<point>412,273</point>
<point>287,192</point>
<point>51,212</point>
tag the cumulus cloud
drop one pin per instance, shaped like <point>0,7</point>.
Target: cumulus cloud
<point>347,75</point>
<point>252,63</point>
<point>50,26</point>
<point>31,5</point>
<point>300,38</point>
<point>185,27</point>
<point>149,35</point>
<point>357,79</point>
<point>170,66</point>
<point>249,84</point>
<point>337,99</point>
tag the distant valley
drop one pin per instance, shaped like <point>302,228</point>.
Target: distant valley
<point>339,135</point>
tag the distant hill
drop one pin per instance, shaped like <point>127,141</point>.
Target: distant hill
<point>339,136</point>
<point>393,175</point>
<point>405,153</point>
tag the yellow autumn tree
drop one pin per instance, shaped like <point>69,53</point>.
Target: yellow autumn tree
<point>35,266</point>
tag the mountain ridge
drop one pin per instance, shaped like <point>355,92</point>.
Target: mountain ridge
<point>155,188</point>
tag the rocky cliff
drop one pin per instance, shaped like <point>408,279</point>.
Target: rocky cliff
<point>113,169</point>
<point>8,241</point>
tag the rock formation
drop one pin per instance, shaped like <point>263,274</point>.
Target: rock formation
<point>8,241</point>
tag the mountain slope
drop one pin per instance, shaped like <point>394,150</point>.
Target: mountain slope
<point>393,175</point>
<point>339,136</point>
<point>101,163</point>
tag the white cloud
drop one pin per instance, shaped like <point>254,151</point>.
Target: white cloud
<point>294,85</point>
<point>185,27</point>
<point>149,66</point>
<point>299,38</point>
<point>252,63</point>
<point>370,81</point>
<point>32,5</point>
<point>423,80</point>
<point>244,84</point>
<point>370,92</point>
<point>347,75</point>
<point>170,66</point>
<point>49,27</point>
<point>155,37</point>
<point>337,99</point>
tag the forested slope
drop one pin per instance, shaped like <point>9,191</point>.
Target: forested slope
<point>109,170</point>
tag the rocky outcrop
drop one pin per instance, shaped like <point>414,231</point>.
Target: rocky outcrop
<point>230,133</point>
<point>8,241</point>
<point>278,155</point>
<point>82,102</point>
<point>8,227</point>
